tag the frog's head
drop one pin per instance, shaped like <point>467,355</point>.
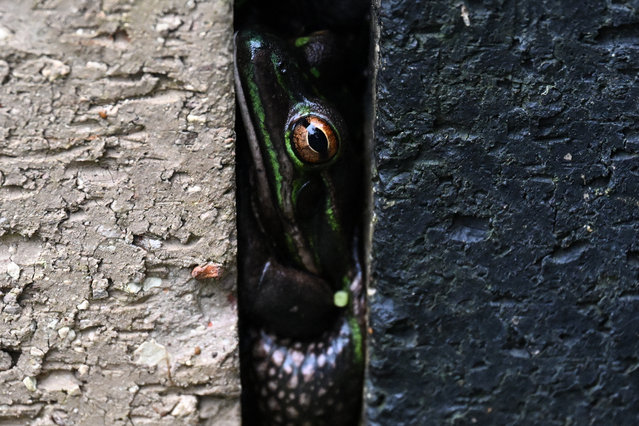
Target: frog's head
<point>297,142</point>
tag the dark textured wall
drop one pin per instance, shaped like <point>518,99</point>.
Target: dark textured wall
<point>506,247</point>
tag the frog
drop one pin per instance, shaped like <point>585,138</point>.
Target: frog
<point>301,284</point>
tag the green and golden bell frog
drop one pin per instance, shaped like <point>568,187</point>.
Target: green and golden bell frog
<point>301,287</point>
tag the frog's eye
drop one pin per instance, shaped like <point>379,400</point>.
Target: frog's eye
<point>314,140</point>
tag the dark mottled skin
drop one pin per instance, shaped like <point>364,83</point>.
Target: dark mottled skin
<point>307,383</point>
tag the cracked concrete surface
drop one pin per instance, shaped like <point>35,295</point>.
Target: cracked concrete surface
<point>116,181</point>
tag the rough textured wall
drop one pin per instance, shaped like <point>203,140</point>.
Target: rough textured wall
<point>506,246</point>
<point>117,179</point>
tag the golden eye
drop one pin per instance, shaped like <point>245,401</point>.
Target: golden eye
<point>314,140</point>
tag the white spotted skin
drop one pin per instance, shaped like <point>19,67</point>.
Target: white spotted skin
<point>303,391</point>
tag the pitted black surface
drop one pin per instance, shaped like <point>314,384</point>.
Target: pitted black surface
<point>506,247</point>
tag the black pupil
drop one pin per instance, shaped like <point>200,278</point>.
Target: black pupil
<point>317,140</point>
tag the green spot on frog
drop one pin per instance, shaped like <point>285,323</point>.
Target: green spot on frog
<point>301,41</point>
<point>340,299</point>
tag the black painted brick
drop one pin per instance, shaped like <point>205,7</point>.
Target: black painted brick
<point>506,249</point>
